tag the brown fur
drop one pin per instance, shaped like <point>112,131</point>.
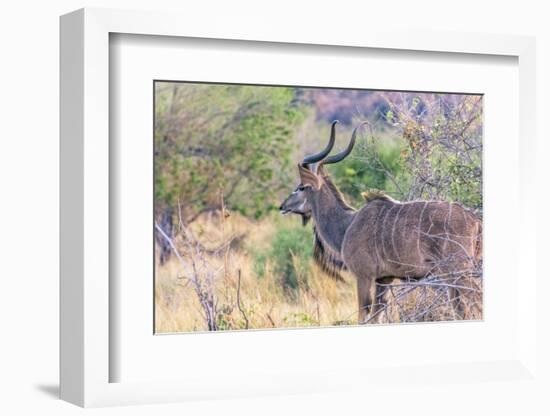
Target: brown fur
<point>329,263</point>
<point>373,194</point>
<point>408,240</point>
<point>334,190</point>
<point>387,238</point>
<point>308,178</point>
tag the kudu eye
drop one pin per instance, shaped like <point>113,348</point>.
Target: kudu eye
<point>301,187</point>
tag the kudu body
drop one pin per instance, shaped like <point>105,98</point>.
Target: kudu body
<point>385,238</point>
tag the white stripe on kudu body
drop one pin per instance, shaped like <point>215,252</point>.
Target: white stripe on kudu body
<point>383,229</point>
<point>395,251</point>
<point>419,227</point>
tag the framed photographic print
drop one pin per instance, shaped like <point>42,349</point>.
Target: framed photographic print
<point>226,260</point>
<point>236,209</point>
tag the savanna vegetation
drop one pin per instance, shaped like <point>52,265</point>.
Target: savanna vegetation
<point>225,158</point>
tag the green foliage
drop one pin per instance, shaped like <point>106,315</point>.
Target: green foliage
<point>300,319</point>
<point>223,318</point>
<point>430,148</point>
<point>444,148</point>
<point>465,182</point>
<point>290,254</point>
<point>214,137</point>
<point>370,166</point>
<point>239,141</point>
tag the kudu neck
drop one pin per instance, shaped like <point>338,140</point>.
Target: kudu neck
<point>332,216</point>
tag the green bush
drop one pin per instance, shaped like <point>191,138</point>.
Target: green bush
<point>290,254</point>
<point>230,137</point>
<point>370,167</point>
<point>430,149</point>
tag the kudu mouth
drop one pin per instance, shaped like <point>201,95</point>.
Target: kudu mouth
<point>283,209</point>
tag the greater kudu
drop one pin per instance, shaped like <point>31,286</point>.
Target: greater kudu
<point>385,238</point>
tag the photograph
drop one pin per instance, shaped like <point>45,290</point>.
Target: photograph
<point>301,206</point>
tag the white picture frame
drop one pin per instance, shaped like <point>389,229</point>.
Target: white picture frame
<point>85,182</point>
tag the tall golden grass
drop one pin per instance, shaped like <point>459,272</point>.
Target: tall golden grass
<point>246,300</point>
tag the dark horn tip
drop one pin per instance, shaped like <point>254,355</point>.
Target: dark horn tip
<point>342,155</point>
<point>323,153</point>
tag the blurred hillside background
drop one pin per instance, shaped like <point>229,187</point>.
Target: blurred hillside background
<point>225,158</point>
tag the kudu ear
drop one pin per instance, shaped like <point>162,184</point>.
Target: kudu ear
<point>309,178</point>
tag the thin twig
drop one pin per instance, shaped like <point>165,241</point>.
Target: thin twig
<point>239,300</point>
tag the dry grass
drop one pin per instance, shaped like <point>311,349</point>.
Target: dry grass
<point>245,300</point>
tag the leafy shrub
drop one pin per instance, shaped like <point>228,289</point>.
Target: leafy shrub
<point>427,146</point>
<point>370,166</point>
<point>230,137</point>
<point>290,253</point>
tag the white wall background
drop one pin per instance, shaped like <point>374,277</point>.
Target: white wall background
<point>29,99</point>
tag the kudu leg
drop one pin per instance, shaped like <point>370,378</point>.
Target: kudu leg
<point>457,303</point>
<point>382,291</point>
<point>366,296</point>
